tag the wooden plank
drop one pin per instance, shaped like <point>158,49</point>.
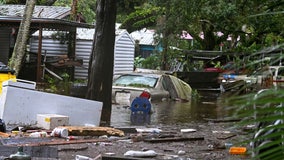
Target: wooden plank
<point>59,142</point>
<point>121,158</point>
<point>226,136</point>
<point>176,139</point>
<point>92,131</point>
<point>4,135</point>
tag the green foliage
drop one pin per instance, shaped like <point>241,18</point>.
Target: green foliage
<point>151,62</point>
<point>263,110</point>
<point>141,18</point>
<point>55,85</point>
<point>63,3</point>
<point>85,7</point>
<point>138,62</point>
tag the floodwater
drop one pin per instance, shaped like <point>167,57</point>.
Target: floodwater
<point>209,106</point>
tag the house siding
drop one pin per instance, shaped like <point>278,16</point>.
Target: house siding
<point>123,52</point>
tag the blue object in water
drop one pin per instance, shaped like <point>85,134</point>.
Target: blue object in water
<point>140,105</point>
<point>229,76</point>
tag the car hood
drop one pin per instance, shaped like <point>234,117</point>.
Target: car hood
<point>129,88</point>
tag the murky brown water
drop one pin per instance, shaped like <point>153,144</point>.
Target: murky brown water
<point>210,105</point>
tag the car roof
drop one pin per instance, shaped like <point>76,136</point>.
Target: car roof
<point>140,74</point>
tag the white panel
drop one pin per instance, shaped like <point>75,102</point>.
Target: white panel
<point>31,102</point>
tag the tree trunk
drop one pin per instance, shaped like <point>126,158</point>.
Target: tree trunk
<point>101,60</point>
<point>22,38</point>
<point>74,10</point>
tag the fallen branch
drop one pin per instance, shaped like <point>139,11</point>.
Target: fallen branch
<point>222,120</point>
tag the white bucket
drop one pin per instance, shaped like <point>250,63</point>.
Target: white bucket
<point>59,132</point>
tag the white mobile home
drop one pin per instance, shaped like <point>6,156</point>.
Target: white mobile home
<point>123,51</point>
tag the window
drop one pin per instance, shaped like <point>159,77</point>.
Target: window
<point>136,81</point>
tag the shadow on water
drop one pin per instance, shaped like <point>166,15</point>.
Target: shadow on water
<point>210,106</point>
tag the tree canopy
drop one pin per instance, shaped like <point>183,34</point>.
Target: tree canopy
<point>211,23</point>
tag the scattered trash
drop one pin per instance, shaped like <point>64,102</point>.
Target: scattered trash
<point>187,130</point>
<point>151,130</point>
<point>113,138</point>
<point>38,134</point>
<point>224,132</point>
<point>181,152</point>
<point>238,150</point>
<point>103,137</point>
<point>72,138</point>
<point>109,153</point>
<point>175,139</point>
<point>149,153</point>
<point>80,157</point>
<point>126,140</point>
<point>137,137</point>
<point>228,145</point>
<point>59,132</point>
<point>210,146</point>
<point>105,144</point>
<point>20,155</point>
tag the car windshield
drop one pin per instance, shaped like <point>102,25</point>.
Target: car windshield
<point>136,81</point>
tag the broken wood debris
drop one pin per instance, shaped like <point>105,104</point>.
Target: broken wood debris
<point>105,157</point>
<point>4,135</point>
<point>93,131</point>
<point>176,139</point>
<point>59,142</point>
<point>222,120</point>
<point>226,136</point>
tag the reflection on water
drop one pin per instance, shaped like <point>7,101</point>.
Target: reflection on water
<point>168,113</point>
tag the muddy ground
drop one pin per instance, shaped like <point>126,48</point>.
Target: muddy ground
<point>210,142</point>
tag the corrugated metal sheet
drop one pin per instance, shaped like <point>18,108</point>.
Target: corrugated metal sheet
<point>50,46</point>
<point>144,36</point>
<point>4,44</point>
<point>39,11</point>
<point>83,51</point>
<point>123,53</point>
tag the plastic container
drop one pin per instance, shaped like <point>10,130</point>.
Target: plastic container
<point>238,150</point>
<point>60,132</point>
<point>5,74</point>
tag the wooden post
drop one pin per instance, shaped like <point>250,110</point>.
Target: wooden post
<point>39,68</point>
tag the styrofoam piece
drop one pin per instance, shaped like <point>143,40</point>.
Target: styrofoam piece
<point>51,121</point>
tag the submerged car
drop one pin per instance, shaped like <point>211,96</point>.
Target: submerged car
<point>160,87</point>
